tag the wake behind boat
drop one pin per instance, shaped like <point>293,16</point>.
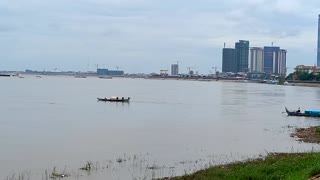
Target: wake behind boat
<point>115,99</point>
<point>306,113</point>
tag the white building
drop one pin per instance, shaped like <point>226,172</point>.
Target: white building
<point>256,59</point>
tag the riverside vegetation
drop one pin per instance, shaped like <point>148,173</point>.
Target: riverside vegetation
<point>274,166</point>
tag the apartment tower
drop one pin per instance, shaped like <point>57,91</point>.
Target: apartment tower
<point>256,59</point>
<point>242,55</point>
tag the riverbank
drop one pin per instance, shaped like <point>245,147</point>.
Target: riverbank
<point>291,83</point>
<point>273,166</point>
<point>307,84</point>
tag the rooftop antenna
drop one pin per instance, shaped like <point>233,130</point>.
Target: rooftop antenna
<point>88,67</point>
<point>215,69</point>
<point>224,45</point>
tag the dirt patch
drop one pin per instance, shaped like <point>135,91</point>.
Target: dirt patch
<point>307,84</point>
<point>317,177</point>
<point>309,135</point>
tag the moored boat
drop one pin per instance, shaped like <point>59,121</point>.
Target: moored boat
<point>115,99</point>
<point>307,113</point>
<point>5,75</point>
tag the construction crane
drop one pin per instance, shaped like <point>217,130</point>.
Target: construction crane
<point>215,69</point>
<point>189,69</point>
<point>103,65</point>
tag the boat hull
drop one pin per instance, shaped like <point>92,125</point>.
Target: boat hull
<point>5,75</point>
<point>113,100</point>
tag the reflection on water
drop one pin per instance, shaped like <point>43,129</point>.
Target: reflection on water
<point>168,128</point>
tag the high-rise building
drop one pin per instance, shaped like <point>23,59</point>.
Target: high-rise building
<point>174,69</point>
<point>242,55</point>
<point>275,60</point>
<point>110,72</point>
<point>270,58</point>
<point>229,63</point>
<point>318,49</point>
<point>256,59</point>
<point>282,62</point>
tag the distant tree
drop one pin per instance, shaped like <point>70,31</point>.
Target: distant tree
<point>282,79</point>
<point>302,75</point>
<point>290,76</point>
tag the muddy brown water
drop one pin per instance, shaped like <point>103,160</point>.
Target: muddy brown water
<point>169,127</point>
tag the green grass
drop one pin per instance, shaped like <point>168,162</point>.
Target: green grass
<point>293,166</point>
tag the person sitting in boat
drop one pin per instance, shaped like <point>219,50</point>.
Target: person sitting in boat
<point>299,111</point>
<point>122,98</point>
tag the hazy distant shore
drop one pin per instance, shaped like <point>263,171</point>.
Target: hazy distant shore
<point>208,79</point>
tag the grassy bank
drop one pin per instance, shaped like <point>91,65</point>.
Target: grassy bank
<point>275,166</point>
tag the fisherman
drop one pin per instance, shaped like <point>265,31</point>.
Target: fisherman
<point>299,111</point>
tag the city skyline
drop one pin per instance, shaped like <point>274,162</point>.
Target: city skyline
<point>146,36</point>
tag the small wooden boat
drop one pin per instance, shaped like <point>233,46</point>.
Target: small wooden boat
<point>5,75</point>
<point>115,99</point>
<point>307,113</point>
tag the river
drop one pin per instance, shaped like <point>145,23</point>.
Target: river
<point>170,127</point>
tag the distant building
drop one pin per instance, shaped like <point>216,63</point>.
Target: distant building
<point>271,60</point>
<point>242,55</point>
<point>229,63</point>
<point>308,69</point>
<point>174,69</point>
<point>318,49</point>
<point>275,60</point>
<point>258,76</point>
<point>109,72</point>
<point>256,59</point>
<point>282,62</point>
<point>164,72</point>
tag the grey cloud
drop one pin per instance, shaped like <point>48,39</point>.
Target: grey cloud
<point>7,28</point>
<point>155,29</point>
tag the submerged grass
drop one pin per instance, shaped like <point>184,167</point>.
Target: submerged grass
<point>293,166</point>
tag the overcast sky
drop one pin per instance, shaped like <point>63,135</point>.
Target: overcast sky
<point>149,35</point>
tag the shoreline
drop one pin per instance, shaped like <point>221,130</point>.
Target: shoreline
<point>274,165</point>
<point>202,79</point>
